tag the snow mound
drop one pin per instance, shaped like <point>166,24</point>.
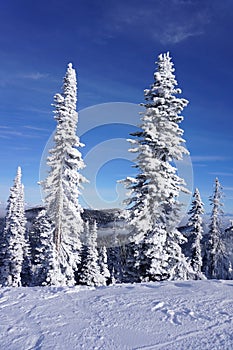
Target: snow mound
<point>165,315</point>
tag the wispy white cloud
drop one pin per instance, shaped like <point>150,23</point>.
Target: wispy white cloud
<point>168,22</point>
<point>35,110</point>
<point>11,133</point>
<point>209,158</point>
<point>228,188</point>
<point>22,79</point>
<point>19,148</point>
<point>220,173</point>
<point>4,137</point>
<point>35,128</point>
<point>182,2</point>
<point>192,24</point>
<point>8,134</point>
<point>201,165</point>
<point>175,33</point>
<point>33,76</point>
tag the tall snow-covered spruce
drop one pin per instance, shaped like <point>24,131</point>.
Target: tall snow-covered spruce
<point>90,273</point>
<point>103,264</point>
<point>153,194</point>
<point>63,184</point>
<point>14,241</point>
<point>216,261</point>
<point>195,228</point>
<point>46,269</point>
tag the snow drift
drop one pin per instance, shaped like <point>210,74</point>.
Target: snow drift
<point>164,315</point>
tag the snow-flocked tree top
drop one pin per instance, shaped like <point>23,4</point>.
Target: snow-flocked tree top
<point>197,205</point>
<point>159,142</point>
<point>64,181</point>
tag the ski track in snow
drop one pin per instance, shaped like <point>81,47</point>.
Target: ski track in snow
<point>166,315</point>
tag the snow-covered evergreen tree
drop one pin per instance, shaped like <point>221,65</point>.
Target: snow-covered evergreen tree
<point>130,270</point>
<point>90,274</point>
<point>228,241</point>
<point>153,256</point>
<point>153,201</point>
<point>103,264</point>
<point>14,241</point>
<point>112,277</point>
<point>64,181</point>
<point>26,273</point>
<point>1,249</point>
<point>217,263</point>
<point>46,268</point>
<point>195,229</point>
<point>115,258</point>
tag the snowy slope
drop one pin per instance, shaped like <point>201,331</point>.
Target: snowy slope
<point>167,315</point>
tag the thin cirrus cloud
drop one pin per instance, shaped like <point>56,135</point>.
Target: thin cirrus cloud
<point>194,24</point>
<point>176,34</point>
<point>35,110</point>
<point>161,22</point>
<point>220,173</point>
<point>4,127</point>
<point>35,128</point>
<point>22,78</point>
<point>33,76</point>
<point>8,134</point>
<point>209,158</point>
<point>19,148</point>
<point>228,189</point>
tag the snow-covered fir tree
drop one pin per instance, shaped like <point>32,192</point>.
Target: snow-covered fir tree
<point>14,242</point>
<point>103,264</point>
<point>228,241</point>
<point>195,229</point>
<point>216,260</point>
<point>115,258</point>
<point>153,193</point>
<point>26,273</point>
<point>90,273</point>
<point>1,249</point>
<point>112,277</point>
<point>46,268</point>
<point>63,184</point>
<point>130,271</point>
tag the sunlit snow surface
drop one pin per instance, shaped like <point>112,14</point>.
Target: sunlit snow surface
<point>168,315</point>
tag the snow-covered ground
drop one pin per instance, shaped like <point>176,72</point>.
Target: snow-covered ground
<point>167,315</point>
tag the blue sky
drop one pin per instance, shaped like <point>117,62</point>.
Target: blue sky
<point>113,46</point>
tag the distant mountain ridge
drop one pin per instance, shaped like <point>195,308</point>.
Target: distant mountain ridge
<point>106,217</point>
